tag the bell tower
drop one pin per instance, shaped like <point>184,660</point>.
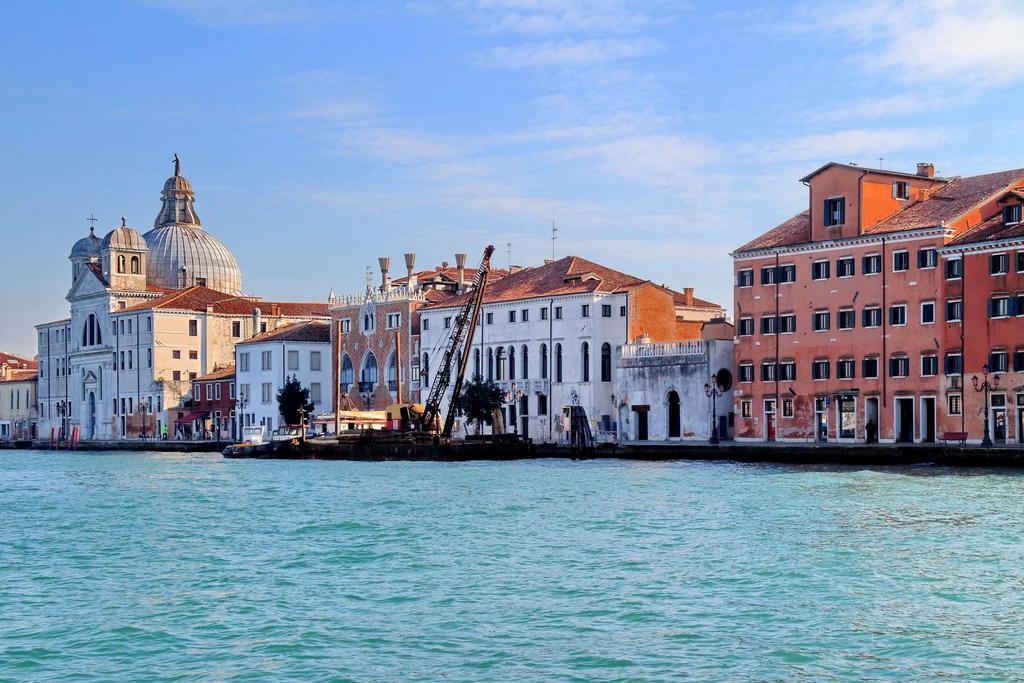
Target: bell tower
<point>124,254</point>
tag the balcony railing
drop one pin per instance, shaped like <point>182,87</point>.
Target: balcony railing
<point>392,385</point>
<point>695,347</point>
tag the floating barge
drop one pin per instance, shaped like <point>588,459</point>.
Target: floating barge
<point>375,445</point>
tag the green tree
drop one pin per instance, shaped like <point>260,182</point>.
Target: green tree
<point>479,399</point>
<point>291,399</point>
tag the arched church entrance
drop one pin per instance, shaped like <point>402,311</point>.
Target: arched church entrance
<point>673,415</point>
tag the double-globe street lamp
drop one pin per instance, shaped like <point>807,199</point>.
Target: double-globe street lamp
<point>986,386</point>
<point>713,391</point>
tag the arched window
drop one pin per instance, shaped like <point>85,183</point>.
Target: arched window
<point>425,370</point>
<point>91,333</point>
<point>511,362</point>
<point>392,372</point>
<point>673,415</point>
<point>525,361</point>
<point>558,362</point>
<point>120,263</point>
<point>477,369</point>
<point>348,373</point>
<point>606,362</point>
<point>585,353</point>
<point>499,362</point>
<point>368,375</point>
<point>490,364</point>
<point>135,265</point>
<point>543,361</point>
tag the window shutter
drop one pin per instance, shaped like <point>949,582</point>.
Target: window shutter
<point>991,307</point>
<point>827,214</point>
<point>842,210</point>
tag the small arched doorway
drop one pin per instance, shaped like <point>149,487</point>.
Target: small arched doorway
<point>674,431</point>
<point>92,415</point>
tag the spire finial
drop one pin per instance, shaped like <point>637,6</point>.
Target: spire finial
<point>124,222</point>
<point>92,223</point>
<point>177,164</point>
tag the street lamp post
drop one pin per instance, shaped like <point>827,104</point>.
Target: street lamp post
<point>512,397</point>
<point>240,404</point>
<point>986,386</point>
<point>713,391</point>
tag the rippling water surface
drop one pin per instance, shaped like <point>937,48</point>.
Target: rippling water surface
<point>131,566</point>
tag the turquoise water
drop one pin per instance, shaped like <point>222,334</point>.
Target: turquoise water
<point>128,566</point>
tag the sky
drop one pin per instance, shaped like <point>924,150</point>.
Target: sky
<point>656,135</point>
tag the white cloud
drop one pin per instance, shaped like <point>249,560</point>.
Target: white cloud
<point>569,52</point>
<point>845,144</point>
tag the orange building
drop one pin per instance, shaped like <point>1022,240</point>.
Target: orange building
<point>858,318</point>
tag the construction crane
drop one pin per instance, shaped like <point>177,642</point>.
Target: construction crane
<point>461,337</point>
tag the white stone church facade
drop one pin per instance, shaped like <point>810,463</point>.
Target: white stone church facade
<point>149,313</point>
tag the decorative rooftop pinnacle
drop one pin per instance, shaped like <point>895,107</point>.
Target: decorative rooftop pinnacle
<point>177,165</point>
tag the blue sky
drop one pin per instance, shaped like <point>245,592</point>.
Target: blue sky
<point>321,135</point>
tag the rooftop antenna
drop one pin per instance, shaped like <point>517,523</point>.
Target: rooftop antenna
<point>508,250</point>
<point>92,222</point>
<point>880,160</point>
<point>369,278</point>
<point>554,236</point>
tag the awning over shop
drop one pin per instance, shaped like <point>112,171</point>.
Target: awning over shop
<point>194,415</point>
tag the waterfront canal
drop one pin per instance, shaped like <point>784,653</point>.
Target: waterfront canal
<point>148,566</point>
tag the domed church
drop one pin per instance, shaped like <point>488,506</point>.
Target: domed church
<point>149,313</point>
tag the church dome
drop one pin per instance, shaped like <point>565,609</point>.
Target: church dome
<point>88,247</point>
<point>124,238</point>
<point>181,253</point>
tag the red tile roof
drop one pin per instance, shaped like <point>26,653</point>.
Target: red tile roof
<point>20,376</point>
<point>313,331</point>
<point>226,372</point>
<point>13,361</point>
<point>569,275</point>
<point>989,231</point>
<point>198,298</point>
<point>797,230</point>
<point>878,171</point>
<point>948,203</point>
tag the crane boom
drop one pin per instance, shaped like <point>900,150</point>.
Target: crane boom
<point>461,336</point>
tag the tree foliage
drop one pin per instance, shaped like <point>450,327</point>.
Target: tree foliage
<point>480,398</point>
<point>291,399</point>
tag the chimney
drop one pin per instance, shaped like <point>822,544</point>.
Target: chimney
<point>460,263</point>
<point>688,295</point>
<point>256,315</point>
<point>410,263</point>
<point>926,170</point>
<point>385,281</point>
<point>275,310</point>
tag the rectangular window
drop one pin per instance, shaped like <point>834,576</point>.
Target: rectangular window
<point>927,312</point>
<point>314,392</point>
<point>293,360</point>
<point>787,407</point>
<point>954,310</point>
<point>448,321</point>
<point>622,311</point>
<point>1012,214</point>
<point>149,324</point>
<point>787,273</point>
<point>558,312</point>
<point>746,408</point>
<point>197,391</point>
<point>745,278</point>
<point>954,404</point>
<point>929,365</point>
<point>176,354</point>
<point>872,264</point>
<point>954,269</point>
<point>847,319</point>
<point>314,360</point>
<point>954,363</point>
<point>1020,261</point>
<point>822,321</point>
<point>746,372</point>
<point>767,371</point>
<point>899,366</point>
<point>787,370</point>
<point>236,329</point>
<point>511,316</point>
<point>927,258</point>
<point>490,319</point>
<point>845,267</point>
<point>149,358</point>
<point>585,311</point>
<point>231,390</point>
<point>900,261</point>
<point>243,362</point>
<point>193,328</point>
<point>869,367</point>
<point>543,314</point>
<point>872,316</point>
<point>346,325</point>
<point>192,375</point>
<point>820,270</point>
<point>524,314</point>
<point>898,314</point>
<point>787,323</point>
<point>768,275</point>
<point>216,391</point>
<point>176,375</point>
<point>845,368</point>
<point>999,307</point>
<point>746,327</point>
<point>193,355</point>
<point>265,392</point>
<point>999,264</point>
<point>835,211</point>
<point>266,360</point>
<point>997,361</point>
<point>606,311</point>
<point>820,369</point>
<point>1018,361</point>
<point>768,324</point>
<point>900,189</point>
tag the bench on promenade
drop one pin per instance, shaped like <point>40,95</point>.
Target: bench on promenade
<point>947,437</point>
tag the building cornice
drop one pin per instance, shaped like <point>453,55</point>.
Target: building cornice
<point>951,250</point>
<point>852,242</point>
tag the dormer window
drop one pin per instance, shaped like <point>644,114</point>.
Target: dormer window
<point>835,211</point>
<point>1012,214</point>
<point>900,189</point>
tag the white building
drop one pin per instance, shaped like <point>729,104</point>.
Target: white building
<point>549,336</point>
<point>149,313</point>
<point>264,363</point>
<point>660,390</point>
